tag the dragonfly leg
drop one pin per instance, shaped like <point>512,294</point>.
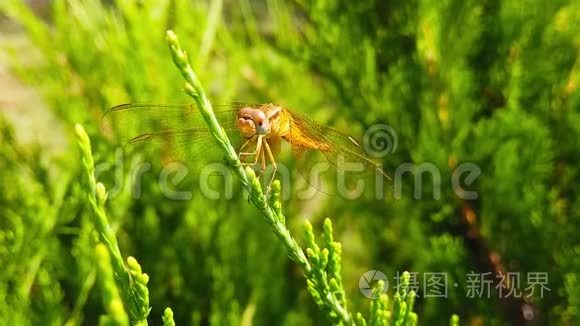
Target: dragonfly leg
<point>263,160</point>
<point>245,144</point>
<point>274,166</point>
<point>256,153</point>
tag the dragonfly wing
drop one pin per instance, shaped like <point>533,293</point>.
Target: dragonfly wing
<point>128,120</point>
<point>178,131</point>
<point>346,161</point>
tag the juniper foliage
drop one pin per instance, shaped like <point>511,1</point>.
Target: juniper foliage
<point>490,83</point>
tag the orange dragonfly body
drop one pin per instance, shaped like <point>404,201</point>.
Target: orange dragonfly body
<point>256,130</point>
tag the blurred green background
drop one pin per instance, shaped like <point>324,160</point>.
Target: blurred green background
<point>492,83</point>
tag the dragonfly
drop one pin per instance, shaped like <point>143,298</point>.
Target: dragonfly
<point>257,132</point>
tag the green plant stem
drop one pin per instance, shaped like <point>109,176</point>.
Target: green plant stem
<point>131,281</point>
<point>272,212</point>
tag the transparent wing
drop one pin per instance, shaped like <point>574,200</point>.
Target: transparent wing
<point>175,131</point>
<point>324,153</point>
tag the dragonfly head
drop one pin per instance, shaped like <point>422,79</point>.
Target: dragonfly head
<point>253,121</point>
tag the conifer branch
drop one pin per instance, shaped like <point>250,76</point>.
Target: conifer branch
<point>131,281</point>
<point>111,298</point>
<point>330,295</point>
<point>168,317</point>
